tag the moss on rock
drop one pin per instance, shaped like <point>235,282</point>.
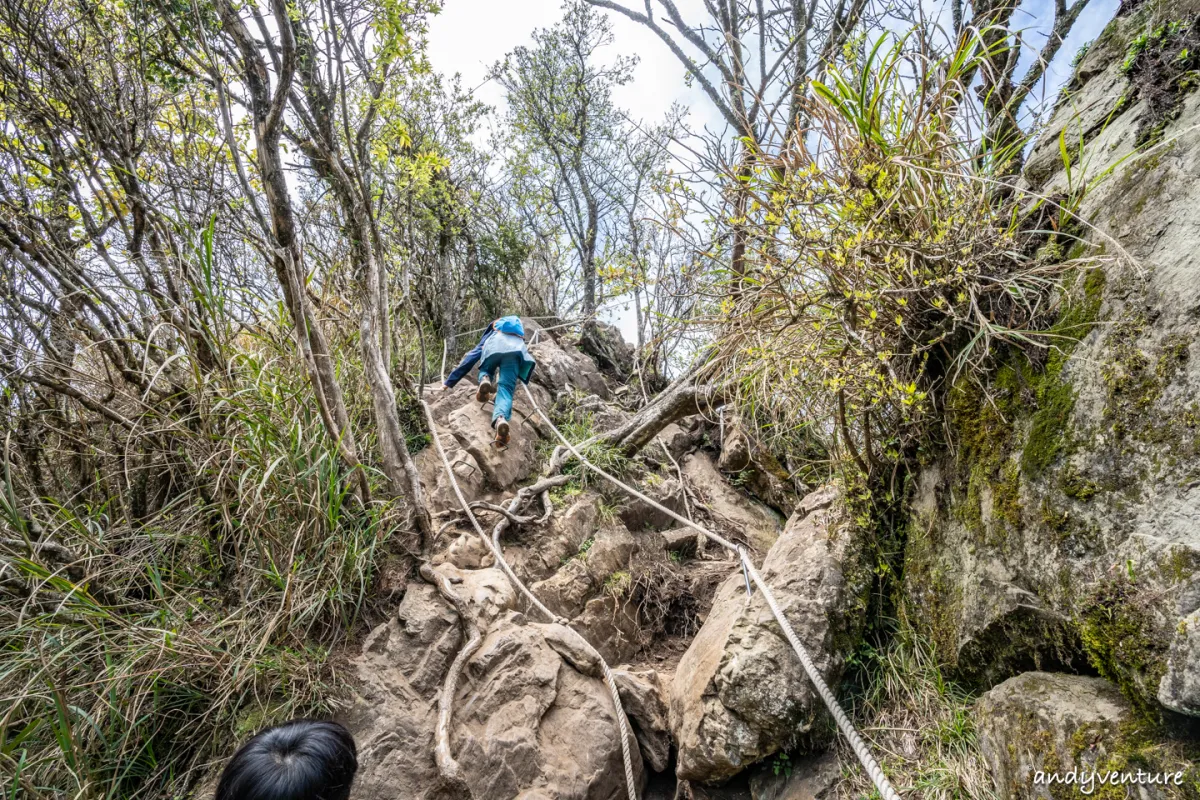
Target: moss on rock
<point>1123,640</point>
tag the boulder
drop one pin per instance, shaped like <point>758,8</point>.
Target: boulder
<point>486,593</point>
<point>466,551</point>
<point>680,540</point>
<point>527,722</point>
<point>740,693</point>
<point>441,403</point>
<point>677,440</point>
<point>605,416</point>
<point>610,622</point>
<point>638,515</point>
<point>735,449</point>
<point>605,344</point>
<point>393,709</point>
<point>732,510</point>
<point>439,494</point>
<point>1066,477</point>
<point>562,368</point>
<point>642,697</point>
<point>1038,724</point>
<point>466,434</point>
<point>567,591</point>
<point>472,427</point>
<point>566,532</point>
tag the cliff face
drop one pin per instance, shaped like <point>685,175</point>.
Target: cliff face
<point>1063,530</point>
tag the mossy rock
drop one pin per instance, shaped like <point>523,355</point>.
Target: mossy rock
<point>1037,725</point>
<point>1124,640</point>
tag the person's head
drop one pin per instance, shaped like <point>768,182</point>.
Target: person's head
<point>304,759</point>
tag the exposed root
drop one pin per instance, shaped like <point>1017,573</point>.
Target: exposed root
<point>666,604</point>
<point>504,512</point>
<point>701,539</point>
<point>447,766</point>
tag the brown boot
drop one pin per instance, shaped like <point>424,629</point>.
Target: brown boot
<point>485,391</point>
<point>501,434</point>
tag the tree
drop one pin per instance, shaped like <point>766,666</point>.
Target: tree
<point>339,87</point>
<point>1000,93</point>
<point>266,106</point>
<point>566,131</point>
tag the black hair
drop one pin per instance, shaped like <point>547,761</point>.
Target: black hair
<point>304,759</point>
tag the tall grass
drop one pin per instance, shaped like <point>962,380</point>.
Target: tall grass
<point>917,722</point>
<point>135,649</point>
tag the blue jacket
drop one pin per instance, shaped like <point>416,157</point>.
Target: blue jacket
<point>505,335</point>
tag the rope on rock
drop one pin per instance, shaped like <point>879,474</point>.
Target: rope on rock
<point>493,545</point>
<point>847,727</point>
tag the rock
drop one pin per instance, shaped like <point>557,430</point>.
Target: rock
<point>642,697</point>
<point>605,416</point>
<point>466,551</point>
<point>735,450</point>
<point>573,648</point>
<point>568,530</point>
<point>609,553</point>
<point>677,440</point>
<point>608,347</point>
<point>486,593</point>
<point>680,540</point>
<point>420,641</point>
<point>740,693</point>
<point>1179,689</point>
<point>567,591</point>
<point>609,621</point>
<point>526,722</point>
<point>1041,722</point>
<point>638,515</point>
<point>808,778</point>
<point>1015,541</point>
<point>562,368</point>
<point>747,519</point>
<point>472,427</point>
<point>441,403</point>
<point>439,493</point>
<point>393,711</point>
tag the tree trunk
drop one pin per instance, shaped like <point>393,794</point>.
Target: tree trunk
<point>288,258</point>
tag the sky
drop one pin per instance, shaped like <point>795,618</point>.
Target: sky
<point>469,36</point>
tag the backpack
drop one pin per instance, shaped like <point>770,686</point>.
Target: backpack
<point>511,325</point>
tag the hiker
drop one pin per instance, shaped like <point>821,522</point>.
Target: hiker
<point>503,358</point>
<point>304,759</point>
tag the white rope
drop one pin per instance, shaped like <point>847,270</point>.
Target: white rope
<point>847,727</point>
<point>493,544</point>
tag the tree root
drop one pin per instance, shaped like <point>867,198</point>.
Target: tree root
<point>479,505</point>
<point>447,766</point>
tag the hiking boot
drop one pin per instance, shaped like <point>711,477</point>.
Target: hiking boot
<point>501,434</point>
<point>485,391</point>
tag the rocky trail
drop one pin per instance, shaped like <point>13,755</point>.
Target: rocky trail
<point>1050,557</point>
<point>707,681</point>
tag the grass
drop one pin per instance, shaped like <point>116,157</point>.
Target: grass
<point>578,427</point>
<point>918,724</point>
<point>141,645</point>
